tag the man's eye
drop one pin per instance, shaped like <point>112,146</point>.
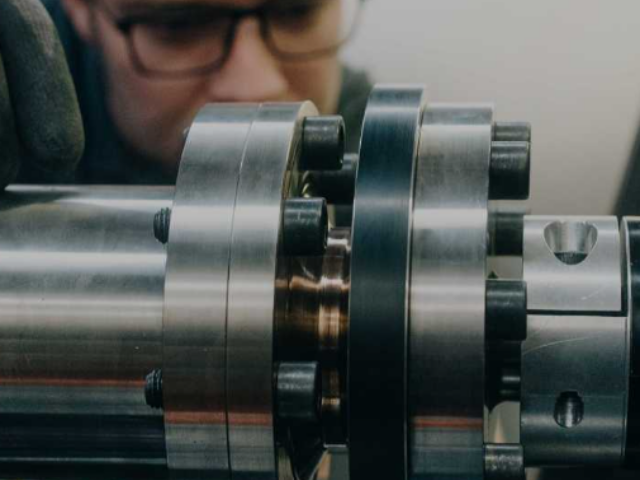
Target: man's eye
<point>296,15</point>
<point>178,25</point>
<point>185,30</point>
<point>298,11</point>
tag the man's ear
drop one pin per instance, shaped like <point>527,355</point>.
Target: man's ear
<point>81,15</point>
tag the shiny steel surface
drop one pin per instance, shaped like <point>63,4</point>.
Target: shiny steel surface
<point>381,237</point>
<point>264,179</point>
<point>594,284</point>
<point>80,325</point>
<point>583,357</point>
<point>447,311</point>
<point>269,354</point>
<point>316,324</point>
<point>195,312</point>
<point>631,236</point>
<point>575,369</point>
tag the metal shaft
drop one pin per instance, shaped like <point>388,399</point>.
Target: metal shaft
<point>81,296</point>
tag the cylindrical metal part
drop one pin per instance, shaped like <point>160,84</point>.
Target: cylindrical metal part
<point>256,275</point>
<point>323,143</point>
<point>511,132</point>
<point>337,186</point>
<point>506,230</point>
<point>315,326</point>
<point>510,171</point>
<point>380,274</point>
<point>81,295</point>
<point>196,292</point>
<point>306,226</point>
<point>572,264</point>
<point>447,347</point>
<point>575,363</point>
<point>632,450</point>
<point>298,392</point>
<point>506,314</point>
<point>631,232</point>
<point>503,462</point>
<point>83,472</point>
<point>574,390</point>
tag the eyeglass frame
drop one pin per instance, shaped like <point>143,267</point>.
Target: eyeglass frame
<point>126,25</point>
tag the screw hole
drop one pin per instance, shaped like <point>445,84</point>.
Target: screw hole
<point>571,242</point>
<point>569,411</point>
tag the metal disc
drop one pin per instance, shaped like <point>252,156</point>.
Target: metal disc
<point>270,152</point>
<point>450,221</point>
<point>195,306</point>
<point>379,284</point>
<point>631,236</point>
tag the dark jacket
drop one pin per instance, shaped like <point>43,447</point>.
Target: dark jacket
<point>106,159</point>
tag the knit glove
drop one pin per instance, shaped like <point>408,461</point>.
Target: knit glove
<point>40,119</point>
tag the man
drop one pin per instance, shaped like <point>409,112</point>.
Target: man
<point>143,68</point>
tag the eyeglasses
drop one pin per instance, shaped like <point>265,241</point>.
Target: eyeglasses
<point>184,41</point>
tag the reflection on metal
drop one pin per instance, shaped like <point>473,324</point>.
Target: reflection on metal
<point>195,309</point>
<point>572,264</point>
<point>575,362</point>
<point>80,325</point>
<point>582,360</point>
<point>227,329</point>
<point>448,275</point>
<point>253,273</point>
<point>380,270</point>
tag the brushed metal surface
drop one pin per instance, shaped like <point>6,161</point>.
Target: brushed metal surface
<point>253,273</point>
<point>380,270</point>
<point>447,310</point>
<point>585,356</point>
<point>592,285</point>
<point>196,290</point>
<point>81,280</point>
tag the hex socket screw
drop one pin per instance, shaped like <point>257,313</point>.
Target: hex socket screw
<point>504,462</point>
<point>506,310</point>
<point>507,233</point>
<point>153,389</point>
<point>161,224</point>
<point>306,226</point>
<point>510,170</point>
<point>323,143</point>
<point>298,392</point>
<point>511,132</point>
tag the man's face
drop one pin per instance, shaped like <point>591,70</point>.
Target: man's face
<point>151,114</point>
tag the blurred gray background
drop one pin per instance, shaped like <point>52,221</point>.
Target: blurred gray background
<point>570,67</point>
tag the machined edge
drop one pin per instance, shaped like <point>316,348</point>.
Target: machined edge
<point>572,264</point>
<point>448,291</point>
<point>378,329</point>
<point>194,319</point>
<point>631,237</point>
<point>256,244</point>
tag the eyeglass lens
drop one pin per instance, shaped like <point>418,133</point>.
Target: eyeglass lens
<point>295,28</point>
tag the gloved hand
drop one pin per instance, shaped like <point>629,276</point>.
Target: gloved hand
<point>39,115</point>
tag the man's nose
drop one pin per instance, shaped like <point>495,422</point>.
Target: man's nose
<point>251,73</point>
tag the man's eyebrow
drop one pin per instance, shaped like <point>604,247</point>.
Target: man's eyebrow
<point>153,7</point>
<point>295,3</point>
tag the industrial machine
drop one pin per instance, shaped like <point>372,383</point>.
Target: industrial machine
<point>236,326</point>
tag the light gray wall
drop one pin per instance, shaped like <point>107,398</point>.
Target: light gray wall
<point>570,67</point>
